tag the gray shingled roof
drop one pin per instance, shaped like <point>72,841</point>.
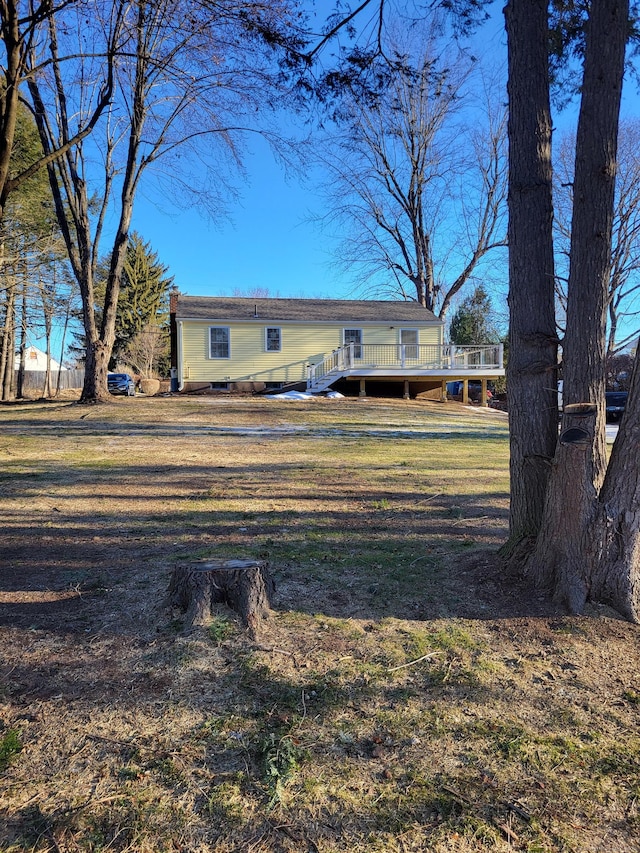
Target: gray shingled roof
<point>310,310</point>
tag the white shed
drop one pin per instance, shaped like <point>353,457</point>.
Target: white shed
<point>35,359</point>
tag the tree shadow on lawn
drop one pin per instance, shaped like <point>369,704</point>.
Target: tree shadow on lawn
<point>81,578</point>
<point>367,546</point>
<point>365,555</point>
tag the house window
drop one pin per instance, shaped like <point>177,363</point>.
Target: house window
<point>409,339</point>
<point>219,339</point>
<point>273,340</point>
<point>354,336</point>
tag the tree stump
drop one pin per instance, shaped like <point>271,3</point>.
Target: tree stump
<point>244,585</point>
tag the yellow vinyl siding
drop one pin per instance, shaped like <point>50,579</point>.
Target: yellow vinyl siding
<point>386,335</point>
<point>302,344</point>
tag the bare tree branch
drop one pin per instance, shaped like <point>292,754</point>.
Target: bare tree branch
<point>399,168</point>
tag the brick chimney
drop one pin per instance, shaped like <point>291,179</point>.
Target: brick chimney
<point>174,293</point>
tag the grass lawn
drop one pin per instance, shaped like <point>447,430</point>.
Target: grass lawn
<point>405,695</point>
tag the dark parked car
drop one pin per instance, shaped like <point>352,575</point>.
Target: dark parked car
<point>616,401</point>
<point>121,383</point>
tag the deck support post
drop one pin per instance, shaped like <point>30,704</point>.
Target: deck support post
<point>465,392</point>
<point>406,390</point>
<point>483,393</point>
<point>443,391</point>
<point>363,390</point>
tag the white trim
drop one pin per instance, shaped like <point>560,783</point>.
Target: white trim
<point>260,321</point>
<point>180,354</point>
<point>226,357</point>
<point>266,339</point>
<point>356,354</point>
<point>407,349</point>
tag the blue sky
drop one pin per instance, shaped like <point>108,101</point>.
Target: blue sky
<point>268,241</point>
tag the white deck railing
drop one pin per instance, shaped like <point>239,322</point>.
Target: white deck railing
<point>413,357</point>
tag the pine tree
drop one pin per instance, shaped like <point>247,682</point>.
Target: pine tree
<point>471,323</point>
<point>29,256</point>
<point>144,294</point>
<point>143,299</point>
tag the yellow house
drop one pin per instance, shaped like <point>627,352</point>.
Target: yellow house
<point>255,344</point>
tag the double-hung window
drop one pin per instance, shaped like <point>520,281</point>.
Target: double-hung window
<point>354,336</point>
<point>272,339</point>
<point>219,342</point>
<point>409,342</point>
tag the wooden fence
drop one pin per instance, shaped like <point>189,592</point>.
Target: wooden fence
<point>34,379</point>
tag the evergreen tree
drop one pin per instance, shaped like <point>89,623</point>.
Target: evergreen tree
<point>29,257</point>
<point>144,294</point>
<point>471,323</point>
<point>143,300</point>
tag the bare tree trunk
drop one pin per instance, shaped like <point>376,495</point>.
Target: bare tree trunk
<point>73,210</point>
<point>532,366</point>
<point>62,344</point>
<point>99,351</point>
<point>96,368</point>
<point>567,553</point>
<point>7,378</point>
<point>4,347</point>
<point>23,340</point>
<point>46,391</point>
<point>6,357</point>
<point>613,328</point>
<point>14,50</point>
<point>47,315</point>
<point>72,204</point>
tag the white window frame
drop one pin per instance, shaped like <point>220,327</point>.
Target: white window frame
<point>220,357</point>
<point>411,350</point>
<point>266,338</point>
<point>357,345</point>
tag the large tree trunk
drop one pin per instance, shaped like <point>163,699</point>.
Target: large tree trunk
<point>96,368</point>
<point>597,554</point>
<point>571,523</point>
<point>568,549</point>
<point>616,579</point>
<point>532,366</point>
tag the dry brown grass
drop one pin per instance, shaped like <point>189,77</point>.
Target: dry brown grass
<point>405,695</point>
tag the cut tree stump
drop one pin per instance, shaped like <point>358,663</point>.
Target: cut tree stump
<point>244,585</point>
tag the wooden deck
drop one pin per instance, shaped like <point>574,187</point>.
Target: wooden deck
<point>408,363</point>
